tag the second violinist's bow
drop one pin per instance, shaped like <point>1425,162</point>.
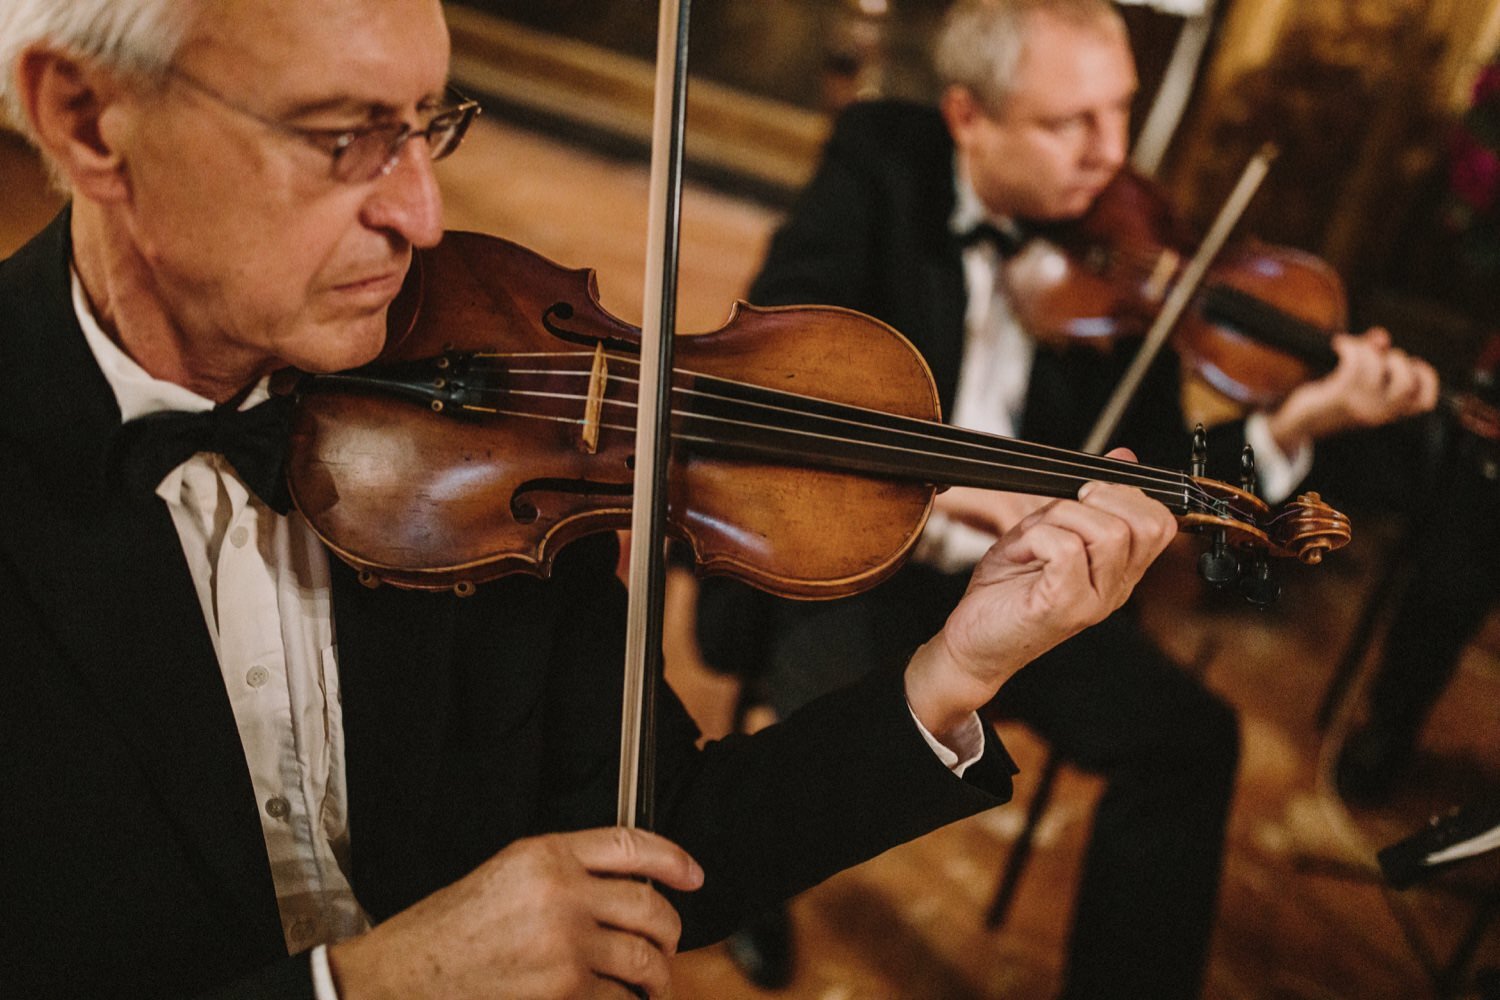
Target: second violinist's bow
<point>1182,292</point>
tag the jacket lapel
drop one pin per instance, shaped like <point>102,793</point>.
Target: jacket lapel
<point>942,273</point>
<point>107,575</point>
<point>940,260</point>
<point>395,649</point>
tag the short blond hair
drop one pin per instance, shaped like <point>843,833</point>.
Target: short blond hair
<point>980,43</point>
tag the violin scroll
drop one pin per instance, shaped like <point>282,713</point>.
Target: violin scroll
<point>1309,529</point>
<point>1243,527</point>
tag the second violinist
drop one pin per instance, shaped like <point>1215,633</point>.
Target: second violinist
<point>907,218</point>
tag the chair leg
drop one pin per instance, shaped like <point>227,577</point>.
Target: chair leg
<point>1021,851</point>
<point>1451,979</point>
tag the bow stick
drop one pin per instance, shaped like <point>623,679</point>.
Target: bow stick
<point>648,516</point>
<point>1177,300</point>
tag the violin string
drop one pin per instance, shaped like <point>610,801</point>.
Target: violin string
<point>1164,494</point>
<point>1122,471</point>
<point>1178,487</point>
<point>1119,469</point>
<point>923,430</point>
<point>987,452</point>
<point>1207,503</point>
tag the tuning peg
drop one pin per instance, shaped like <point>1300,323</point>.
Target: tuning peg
<point>1257,586</point>
<point>1199,464</point>
<point>1247,470</point>
<point>1218,564</point>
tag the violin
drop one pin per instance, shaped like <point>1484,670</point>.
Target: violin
<point>1258,327</point>
<point>499,424</point>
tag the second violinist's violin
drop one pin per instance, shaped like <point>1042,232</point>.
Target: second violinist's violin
<point>1259,326</point>
<point>499,424</point>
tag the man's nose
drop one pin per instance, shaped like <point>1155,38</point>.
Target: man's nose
<point>407,201</point>
<point>1109,140</point>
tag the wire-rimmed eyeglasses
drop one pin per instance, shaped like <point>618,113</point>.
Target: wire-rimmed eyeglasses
<point>364,152</point>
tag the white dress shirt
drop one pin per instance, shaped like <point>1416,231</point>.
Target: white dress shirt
<point>995,372</point>
<point>262,583</point>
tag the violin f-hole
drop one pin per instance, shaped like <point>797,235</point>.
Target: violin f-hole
<point>565,311</point>
<point>525,511</point>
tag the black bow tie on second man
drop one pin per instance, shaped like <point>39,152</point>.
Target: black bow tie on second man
<point>254,441</point>
<point>1006,239</point>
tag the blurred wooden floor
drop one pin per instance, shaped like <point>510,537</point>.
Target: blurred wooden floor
<point>1301,917</point>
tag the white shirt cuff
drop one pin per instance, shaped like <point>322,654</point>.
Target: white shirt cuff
<point>1279,474</point>
<point>950,545</point>
<point>970,740</point>
<point>322,975</point>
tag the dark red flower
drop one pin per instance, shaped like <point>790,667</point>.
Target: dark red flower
<point>1487,84</point>
<point>1474,173</point>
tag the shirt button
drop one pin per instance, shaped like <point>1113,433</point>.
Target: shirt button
<point>239,536</point>
<point>277,807</point>
<point>256,676</point>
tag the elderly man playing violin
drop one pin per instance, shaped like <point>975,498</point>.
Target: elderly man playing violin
<point>910,218</point>
<point>230,769</point>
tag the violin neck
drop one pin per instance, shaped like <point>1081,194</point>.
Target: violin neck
<point>1225,305</point>
<point>751,422</point>
<point>1228,306</point>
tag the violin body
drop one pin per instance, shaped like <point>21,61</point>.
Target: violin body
<point>1104,277</point>
<point>499,425</point>
<point>1259,325</point>
<point>1097,279</point>
<point>431,500</point>
<point>1299,304</point>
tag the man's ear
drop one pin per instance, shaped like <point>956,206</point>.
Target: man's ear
<point>72,107</point>
<point>961,110</point>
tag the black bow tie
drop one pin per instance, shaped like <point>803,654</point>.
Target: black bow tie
<point>254,441</point>
<point>1007,240</point>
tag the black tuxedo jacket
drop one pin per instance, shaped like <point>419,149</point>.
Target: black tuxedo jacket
<point>131,858</point>
<point>870,232</point>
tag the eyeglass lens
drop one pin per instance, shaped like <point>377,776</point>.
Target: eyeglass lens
<point>369,153</point>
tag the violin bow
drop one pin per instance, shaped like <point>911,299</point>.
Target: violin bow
<point>1182,292</point>
<point>648,516</point>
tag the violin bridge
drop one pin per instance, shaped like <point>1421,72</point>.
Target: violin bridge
<point>594,405</point>
<point>1162,274</point>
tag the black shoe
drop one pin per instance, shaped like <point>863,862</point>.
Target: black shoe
<point>763,949</point>
<point>1368,764</point>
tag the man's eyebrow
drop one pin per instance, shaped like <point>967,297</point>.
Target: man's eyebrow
<point>356,107</point>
